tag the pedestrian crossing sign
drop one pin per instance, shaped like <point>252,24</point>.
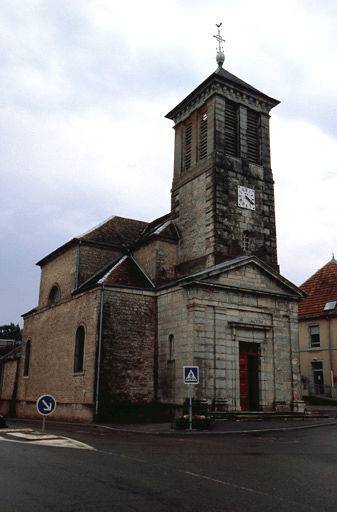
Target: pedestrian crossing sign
<point>191,374</point>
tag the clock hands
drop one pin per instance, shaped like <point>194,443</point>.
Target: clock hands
<point>251,201</point>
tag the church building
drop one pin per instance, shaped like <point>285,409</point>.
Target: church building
<point>123,308</point>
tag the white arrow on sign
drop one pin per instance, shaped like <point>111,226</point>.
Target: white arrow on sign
<point>48,407</point>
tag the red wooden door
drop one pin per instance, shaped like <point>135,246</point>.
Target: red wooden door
<point>244,402</point>
<point>249,382</point>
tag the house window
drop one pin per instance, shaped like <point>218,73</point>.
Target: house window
<point>203,134</point>
<point>27,359</point>
<point>79,350</point>
<point>188,144</point>
<point>314,336</point>
<point>253,152</point>
<point>171,347</point>
<point>54,295</point>
<point>231,129</point>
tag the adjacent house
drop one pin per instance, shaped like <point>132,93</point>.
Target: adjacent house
<point>318,332</point>
<point>10,354</point>
<point>123,308</point>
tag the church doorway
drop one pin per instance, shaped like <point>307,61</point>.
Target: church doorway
<point>249,376</point>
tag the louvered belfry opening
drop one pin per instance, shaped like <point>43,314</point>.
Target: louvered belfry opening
<point>203,134</point>
<point>231,129</point>
<point>253,153</point>
<point>188,144</point>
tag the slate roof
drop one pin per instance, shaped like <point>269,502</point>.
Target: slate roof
<point>126,272</point>
<point>117,231</point>
<point>162,228</point>
<point>321,287</point>
<point>225,77</point>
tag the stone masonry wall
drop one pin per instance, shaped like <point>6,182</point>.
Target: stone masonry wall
<point>60,271</point>
<point>128,349</point>
<point>92,259</point>
<point>158,259</point>
<point>208,326</point>
<point>52,335</point>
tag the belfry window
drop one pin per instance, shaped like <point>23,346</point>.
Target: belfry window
<point>253,153</point>
<point>79,350</point>
<point>188,144</point>
<point>203,134</point>
<point>231,129</point>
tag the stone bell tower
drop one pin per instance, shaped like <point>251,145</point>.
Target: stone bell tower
<point>223,188</point>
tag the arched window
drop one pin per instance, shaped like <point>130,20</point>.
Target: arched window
<point>79,350</point>
<point>27,359</point>
<point>54,295</point>
<point>171,347</point>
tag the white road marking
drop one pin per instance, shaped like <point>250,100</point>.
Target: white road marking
<point>32,437</point>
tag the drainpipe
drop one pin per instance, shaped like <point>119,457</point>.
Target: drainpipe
<point>291,360</point>
<point>330,351</point>
<point>99,349</point>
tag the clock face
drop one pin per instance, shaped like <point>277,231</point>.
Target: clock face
<point>246,197</point>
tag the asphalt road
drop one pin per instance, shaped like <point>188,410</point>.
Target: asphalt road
<point>119,471</point>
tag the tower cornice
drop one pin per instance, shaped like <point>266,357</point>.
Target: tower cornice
<point>226,84</point>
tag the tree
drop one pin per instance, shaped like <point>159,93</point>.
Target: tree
<point>10,332</point>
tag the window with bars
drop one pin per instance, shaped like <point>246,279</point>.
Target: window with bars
<point>231,129</point>
<point>188,144</point>
<point>253,153</point>
<point>203,134</point>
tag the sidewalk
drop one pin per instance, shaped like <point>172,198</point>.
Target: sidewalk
<point>219,427</point>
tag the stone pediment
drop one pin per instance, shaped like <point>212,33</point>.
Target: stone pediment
<point>250,274</point>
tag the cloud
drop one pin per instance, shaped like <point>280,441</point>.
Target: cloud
<point>85,86</point>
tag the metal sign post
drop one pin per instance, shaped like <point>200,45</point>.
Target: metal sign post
<point>46,404</point>
<point>191,376</point>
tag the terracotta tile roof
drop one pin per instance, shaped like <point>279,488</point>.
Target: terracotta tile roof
<point>321,287</point>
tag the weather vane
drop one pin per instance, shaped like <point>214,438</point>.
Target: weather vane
<point>219,39</point>
<point>220,56</point>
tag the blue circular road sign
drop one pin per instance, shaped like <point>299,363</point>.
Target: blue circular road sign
<point>46,404</point>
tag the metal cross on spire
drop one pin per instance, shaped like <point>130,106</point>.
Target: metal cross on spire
<point>220,56</point>
<point>219,39</point>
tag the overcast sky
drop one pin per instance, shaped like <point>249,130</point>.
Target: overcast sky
<point>85,86</point>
